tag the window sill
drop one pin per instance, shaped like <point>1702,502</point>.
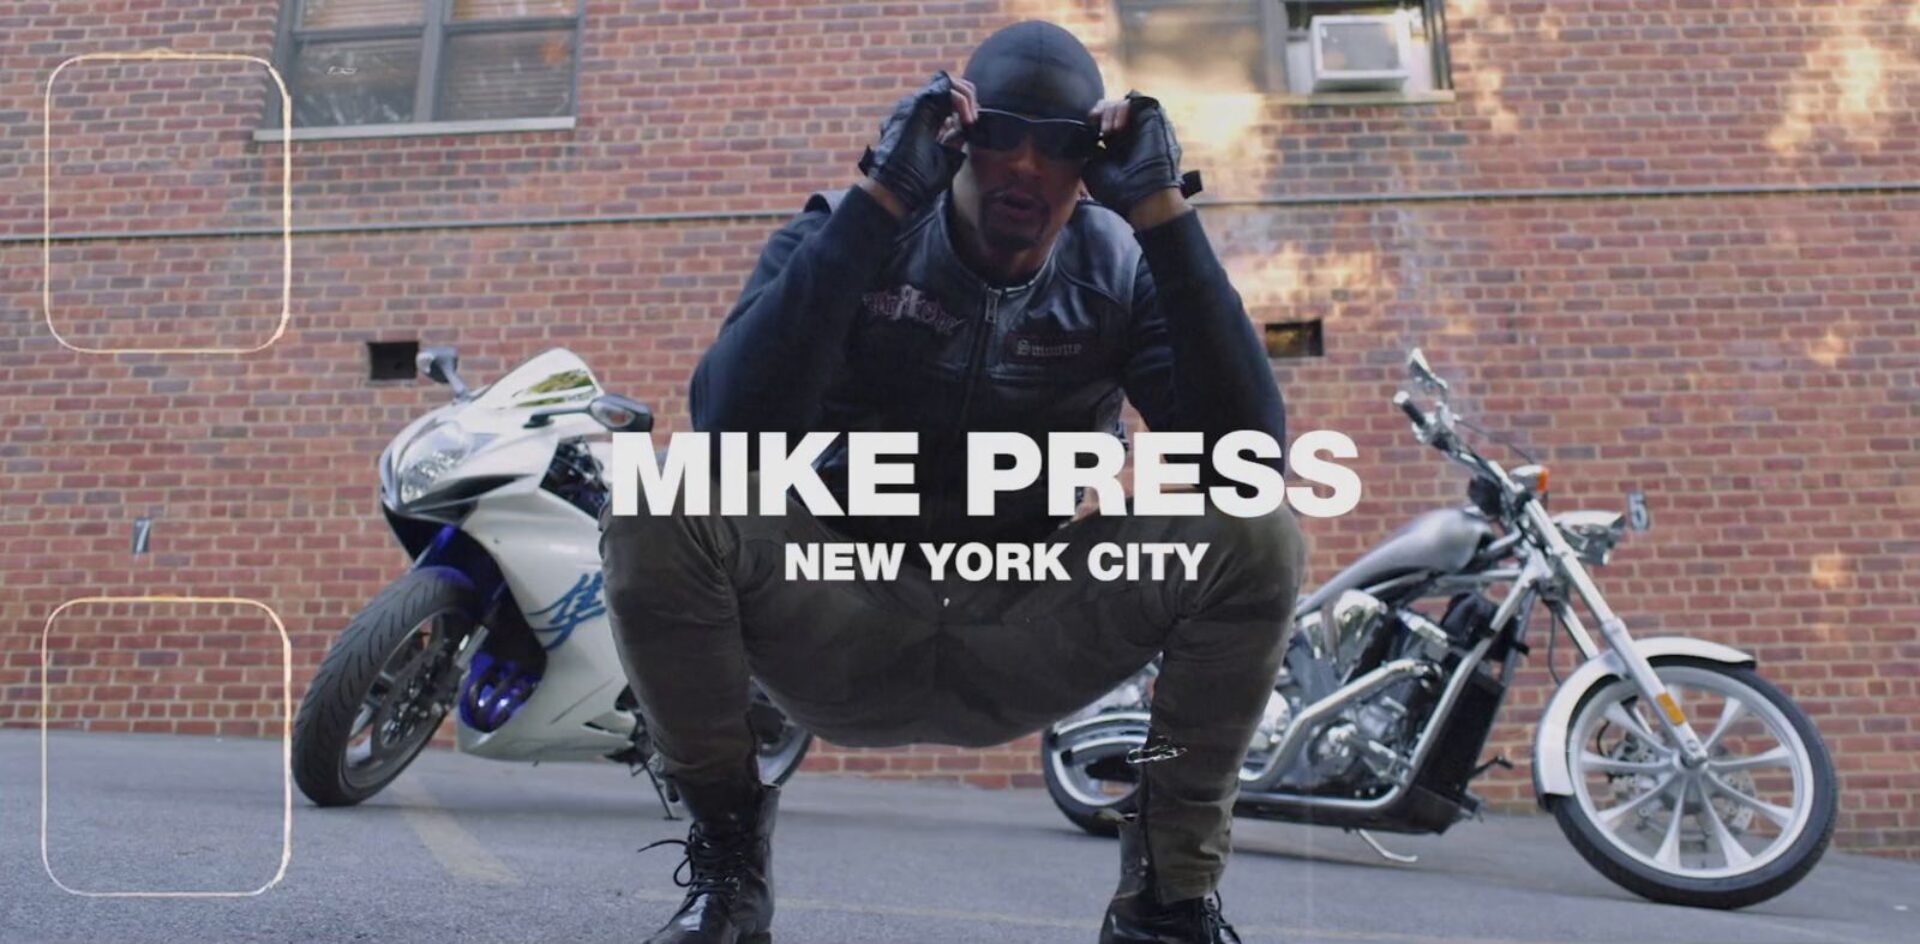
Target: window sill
<point>1438,97</point>
<point>410,129</point>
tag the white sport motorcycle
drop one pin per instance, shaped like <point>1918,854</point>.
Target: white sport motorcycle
<point>500,621</point>
<point>1671,765</point>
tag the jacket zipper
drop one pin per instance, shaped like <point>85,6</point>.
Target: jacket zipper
<point>976,362</point>
<point>975,366</point>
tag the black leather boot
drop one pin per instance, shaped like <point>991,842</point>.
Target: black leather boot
<point>1138,916</point>
<point>729,858</point>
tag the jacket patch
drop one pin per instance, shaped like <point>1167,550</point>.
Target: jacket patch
<point>910,304</point>
<point>1046,348</point>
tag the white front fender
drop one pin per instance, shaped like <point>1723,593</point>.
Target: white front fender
<point>1552,770</point>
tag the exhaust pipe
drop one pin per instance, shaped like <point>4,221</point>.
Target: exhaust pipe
<point>1316,716</point>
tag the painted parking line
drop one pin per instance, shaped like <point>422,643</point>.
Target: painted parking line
<point>460,854</point>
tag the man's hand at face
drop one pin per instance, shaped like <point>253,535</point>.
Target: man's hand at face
<point>1137,174</point>
<point>919,148</point>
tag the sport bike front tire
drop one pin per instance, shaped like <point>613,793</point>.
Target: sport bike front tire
<point>384,687</point>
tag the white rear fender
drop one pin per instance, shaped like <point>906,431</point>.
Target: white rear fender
<point>1552,770</point>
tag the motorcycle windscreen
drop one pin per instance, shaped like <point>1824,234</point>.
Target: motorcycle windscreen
<point>555,378</point>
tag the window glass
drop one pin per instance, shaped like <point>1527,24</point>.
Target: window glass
<point>508,75</point>
<point>334,14</point>
<point>510,9</point>
<point>355,82</point>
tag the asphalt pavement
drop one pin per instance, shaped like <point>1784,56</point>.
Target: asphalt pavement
<point>471,851</point>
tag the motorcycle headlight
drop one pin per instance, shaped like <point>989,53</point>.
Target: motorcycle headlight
<point>1592,534</point>
<point>430,456</point>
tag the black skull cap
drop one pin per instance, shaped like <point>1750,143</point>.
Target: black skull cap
<point>1037,69</point>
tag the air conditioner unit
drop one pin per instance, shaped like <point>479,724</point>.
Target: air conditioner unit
<point>1361,52</point>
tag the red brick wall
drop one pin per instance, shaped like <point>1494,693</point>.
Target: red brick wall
<point>1749,361</point>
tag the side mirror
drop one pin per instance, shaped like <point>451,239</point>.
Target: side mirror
<point>441,365</point>
<point>621,415</point>
<point>1422,372</point>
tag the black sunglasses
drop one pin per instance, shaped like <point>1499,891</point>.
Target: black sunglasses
<point>1063,139</point>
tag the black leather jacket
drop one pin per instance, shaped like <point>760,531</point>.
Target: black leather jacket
<point>853,321</point>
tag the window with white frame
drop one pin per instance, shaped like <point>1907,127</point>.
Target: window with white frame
<point>1297,47</point>
<point>352,63</point>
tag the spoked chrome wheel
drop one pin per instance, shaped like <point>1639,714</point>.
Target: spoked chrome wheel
<point>1084,763</point>
<point>1740,827</point>
<point>783,743</point>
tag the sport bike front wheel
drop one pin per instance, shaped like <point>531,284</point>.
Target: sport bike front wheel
<point>383,688</point>
<point>1736,830</point>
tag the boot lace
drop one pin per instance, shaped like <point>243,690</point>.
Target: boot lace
<point>1218,930</point>
<point>714,863</point>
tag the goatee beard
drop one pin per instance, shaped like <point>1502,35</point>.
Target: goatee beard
<point>1010,240</point>
<point>1007,236</point>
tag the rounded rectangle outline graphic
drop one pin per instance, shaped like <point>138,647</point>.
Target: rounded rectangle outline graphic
<point>286,199</point>
<point>286,745</point>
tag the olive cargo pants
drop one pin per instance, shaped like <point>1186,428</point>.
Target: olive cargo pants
<point>700,602</point>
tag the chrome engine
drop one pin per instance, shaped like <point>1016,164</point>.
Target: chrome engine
<point>1367,742</point>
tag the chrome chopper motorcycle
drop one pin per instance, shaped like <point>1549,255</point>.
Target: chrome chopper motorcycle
<point>500,622</point>
<point>1670,764</point>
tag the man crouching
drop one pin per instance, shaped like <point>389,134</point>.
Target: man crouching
<point>962,285</point>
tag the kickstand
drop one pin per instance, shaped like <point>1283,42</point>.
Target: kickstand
<point>659,789</point>
<point>1384,852</point>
